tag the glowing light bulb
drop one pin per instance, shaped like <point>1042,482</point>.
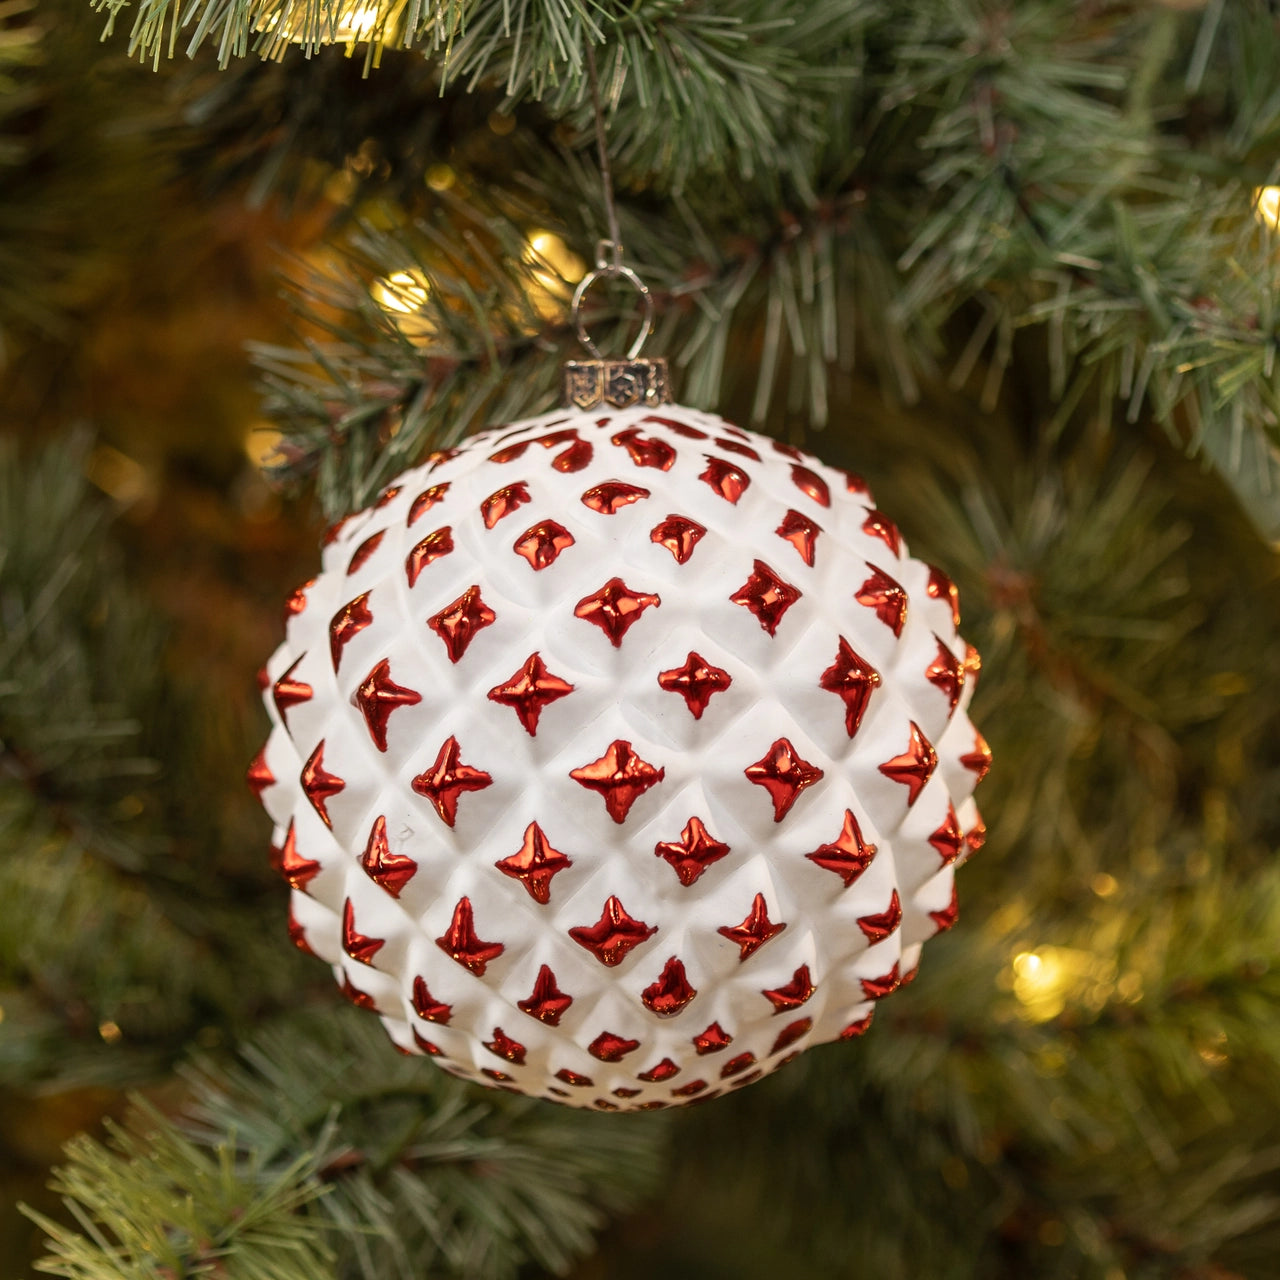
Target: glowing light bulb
<point>1266,206</point>
<point>556,269</point>
<point>404,296</point>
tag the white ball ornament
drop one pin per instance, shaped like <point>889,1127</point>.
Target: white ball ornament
<point>619,755</point>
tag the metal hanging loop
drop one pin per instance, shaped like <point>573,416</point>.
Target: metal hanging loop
<point>609,266</point>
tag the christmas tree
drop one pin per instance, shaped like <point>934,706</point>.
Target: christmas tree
<point>1015,264</point>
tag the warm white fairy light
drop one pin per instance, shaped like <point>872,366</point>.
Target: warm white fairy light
<point>1266,206</point>
<point>556,269</point>
<point>404,296</point>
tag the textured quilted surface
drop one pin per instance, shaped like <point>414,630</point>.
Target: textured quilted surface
<point>617,758</point>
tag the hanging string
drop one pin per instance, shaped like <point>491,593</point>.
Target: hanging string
<point>602,147</point>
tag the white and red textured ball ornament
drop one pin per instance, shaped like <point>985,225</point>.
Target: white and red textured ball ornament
<point>618,756</point>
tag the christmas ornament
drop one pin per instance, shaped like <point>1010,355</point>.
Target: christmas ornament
<point>620,754</point>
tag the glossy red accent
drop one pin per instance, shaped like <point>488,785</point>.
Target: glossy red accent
<point>620,777</point>
<point>573,1078</point>
<point>529,690</point>
<point>886,596</point>
<point>615,609</point>
<point>940,587</point>
<point>436,544</point>
<point>853,680</point>
<point>427,1007</point>
<point>289,692</point>
<point>754,931</point>
<point>784,774</point>
<point>258,775</point>
<point>296,600</point>
<point>319,784</point>
<point>390,870</point>
<point>502,502</point>
<point>425,1045</point>
<point>712,1040</point>
<point>811,483</point>
<point>976,836</point>
<point>915,766</point>
<point>727,480</point>
<point>387,497</point>
<point>297,935</point>
<point>680,428</point>
<point>946,672</point>
<point>611,1048</point>
<point>377,696</point>
<point>878,525</point>
<point>645,451</point>
<point>505,1047</point>
<point>447,778</point>
<point>859,1027</point>
<point>542,543</point>
<point>949,914</point>
<point>611,496</point>
<point>298,872</point>
<point>346,624</point>
<point>546,1002</point>
<point>979,759</point>
<point>361,999</point>
<point>461,942</point>
<point>613,936</point>
<point>793,994</point>
<point>534,864</point>
<point>695,682</point>
<point>576,457</point>
<point>947,839</point>
<point>801,532</point>
<point>885,985</point>
<point>881,924</point>
<point>657,1075</point>
<point>679,535</point>
<point>736,1066</point>
<point>766,595</point>
<point>693,853</point>
<point>791,1033</point>
<point>359,946</point>
<point>457,623</point>
<point>671,992</point>
<point>425,501</point>
<point>732,446</point>
<point>849,855</point>
<point>362,553</point>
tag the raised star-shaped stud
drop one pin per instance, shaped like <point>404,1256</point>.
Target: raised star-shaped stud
<point>947,839</point>
<point>387,497</point>
<point>613,936</point>
<point>542,543</point>
<point>546,1002</point>
<point>615,608</point>
<point>377,696</point>
<point>878,525</point>
<point>363,552</point>
<point>296,601</point>
<point>727,480</point>
<point>439,542</point>
<point>915,766</point>
<point>506,500</point>
<point>576,457</point>
<point>505,1047</point>
<point>645,451</point>
<point>881,924</point>
<point>940,587</point>
<point>461,942</point>
<point>535,864</point>
<point>425,1045</point>
<point>457,623</point>
<point>427,1007</point>
<point>811,483</point>
<point>297,934</point>
<point>298,872</point>
<point>573,1078</point>
<point>946,918</point>
<point>258,775</point>
<point>319,784</point>
<point>712,1040</point>
<point>766,595</point>
<point>885,985</point>
<point>695,682</point>
<point>976,836</point>
<point>671,992</point>
<point>609,1047</point>
<point>979,759</point>
<point>620,777</point>
<point>792,1032</point>
<point>848,855</point>
<point>972,665</point>
<point>425,501</point>
<point>859,1027</point>
<point>693,853</point>
<point>886,596</point>
<point>853,679</point>
<point>289,691</point>
<point>754,931</point>
<point>361,999</point>
<point>656,1075</point>
<point>946,672</point>
<point>784,774</point>
<point>609,497</point>
<point>801,532</point>
<point>529,690</point>
<point>447,778</point>
<point>390,870</point>
<point>346,624</point>
<point>792,994</point>
<point>679,535</point>
<point>357,945</point>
